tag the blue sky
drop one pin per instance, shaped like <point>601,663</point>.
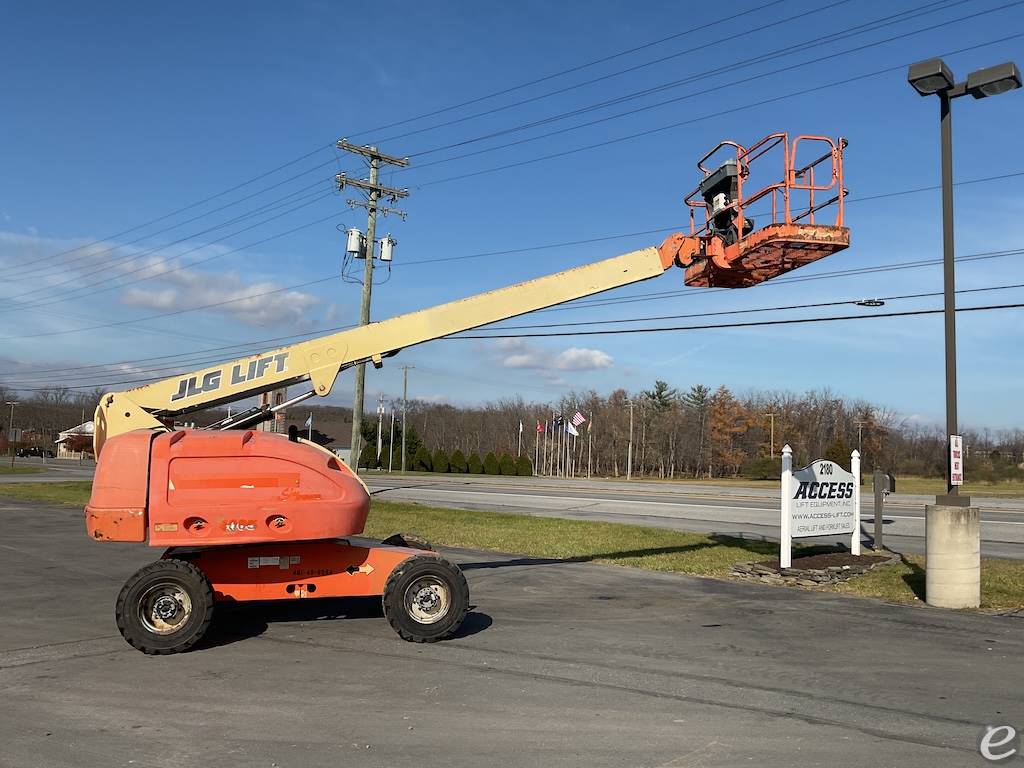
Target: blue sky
<point>117,114</point>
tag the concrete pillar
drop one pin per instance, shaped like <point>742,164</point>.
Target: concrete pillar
<point>953,567</point>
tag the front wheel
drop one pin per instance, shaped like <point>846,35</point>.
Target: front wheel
<point>425,599</point>
<point>165,607</point>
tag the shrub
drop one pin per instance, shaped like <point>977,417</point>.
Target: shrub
<point>491,466</point>
<point>458,462</point>
<point>474,465</point>
<point>763,469</point>
<point>421,461</point>
<point>441,463</point>
<point>507,465</point>
<point>524,467</point>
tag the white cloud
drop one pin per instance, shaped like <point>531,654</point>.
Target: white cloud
<point>580,359</point>
<point>169,285</point>
<point>528,356</point>
<point>256,304</point>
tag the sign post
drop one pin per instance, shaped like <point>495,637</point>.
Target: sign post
<point>822,499</point>
<point>956,460</point>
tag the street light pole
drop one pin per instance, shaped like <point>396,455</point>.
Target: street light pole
<point>934,77</point>
<point>952,525</point>
<point>949,279</point>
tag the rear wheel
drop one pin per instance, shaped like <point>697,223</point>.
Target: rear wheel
<point>425,599</point>
<point>165,607</point>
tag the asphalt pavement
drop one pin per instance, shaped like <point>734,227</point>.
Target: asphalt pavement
<point>559,664</point>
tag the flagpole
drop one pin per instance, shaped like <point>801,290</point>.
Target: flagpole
<point>310,426</point>
<point>537,450</point>
<point>519,450</point>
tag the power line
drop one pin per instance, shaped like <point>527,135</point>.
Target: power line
<point>92,254</point>
<point>196,204</point>
<point>750,324</point>
<point>645,46</point>
<point>60,298</point>
<point>623,331</point>
<point>584,303</point>
<point>720,113</point>
<point>788,50</point>
<point>752,310</point>
<point>713,43</point>
<point>135,257</point>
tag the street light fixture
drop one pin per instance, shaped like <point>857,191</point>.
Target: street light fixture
<point>934,77</point>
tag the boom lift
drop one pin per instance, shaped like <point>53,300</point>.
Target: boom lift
<point>249,515</point>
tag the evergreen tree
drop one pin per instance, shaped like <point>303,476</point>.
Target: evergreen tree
<point>474,466</point>
<point>507,465</point>
<point>368,456</point>
<point>524,467</point>
<point>440,460</point>
<point>839,452</point>
<point>421,462</point>
<point>458,462</point>
<point>491,466</point>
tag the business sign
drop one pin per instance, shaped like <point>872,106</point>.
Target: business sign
<point>822,499</point>
<point>822,502</point>
<point>956,460</point>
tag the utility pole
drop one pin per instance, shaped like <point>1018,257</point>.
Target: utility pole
<point>10,429</point>
<point>405,408</point>
<point>380,424</point>
<point>771,440</point>
<point>860,436</point>
<point>629,451</point>
<point>374,192</point>
<point>391,442</point>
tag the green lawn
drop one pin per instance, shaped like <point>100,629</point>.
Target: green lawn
<point>7,469</point>
<point>928,486</point>
<point>655,549</point>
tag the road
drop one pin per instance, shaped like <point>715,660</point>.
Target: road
<point>702,509</point>
<point>560,664</point>
<point>698,508</point>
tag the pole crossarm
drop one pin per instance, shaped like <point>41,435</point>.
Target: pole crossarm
<point>389,192</point>
<point>384,211</point>
<point>372,153</point>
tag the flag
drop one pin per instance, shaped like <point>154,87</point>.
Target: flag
<point>520,426</point>
<point>571,429</point>
<point>540,428</point>
<point>578,419</point>
<point>309,421</point>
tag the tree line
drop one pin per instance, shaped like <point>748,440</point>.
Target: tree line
<point>693,432</point>
<point>701,432</point>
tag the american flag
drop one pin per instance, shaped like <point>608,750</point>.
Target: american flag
<point>578,419</point>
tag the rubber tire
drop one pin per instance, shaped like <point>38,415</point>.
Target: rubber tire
<point>192,580</point>
<point>394,606</point>
<point>410,540</point>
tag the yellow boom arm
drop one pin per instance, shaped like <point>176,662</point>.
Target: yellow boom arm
<point>321,360</point>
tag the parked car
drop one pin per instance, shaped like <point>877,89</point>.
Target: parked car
<point>43,453</point>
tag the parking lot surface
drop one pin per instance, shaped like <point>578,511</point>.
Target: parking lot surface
<point>559,664</point>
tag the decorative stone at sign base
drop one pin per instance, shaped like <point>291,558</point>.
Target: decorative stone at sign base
<point>816,570</point>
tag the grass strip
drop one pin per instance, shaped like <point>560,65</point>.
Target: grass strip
<point>656,549</point>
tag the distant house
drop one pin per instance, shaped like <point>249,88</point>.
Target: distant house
<point>73,443</point>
